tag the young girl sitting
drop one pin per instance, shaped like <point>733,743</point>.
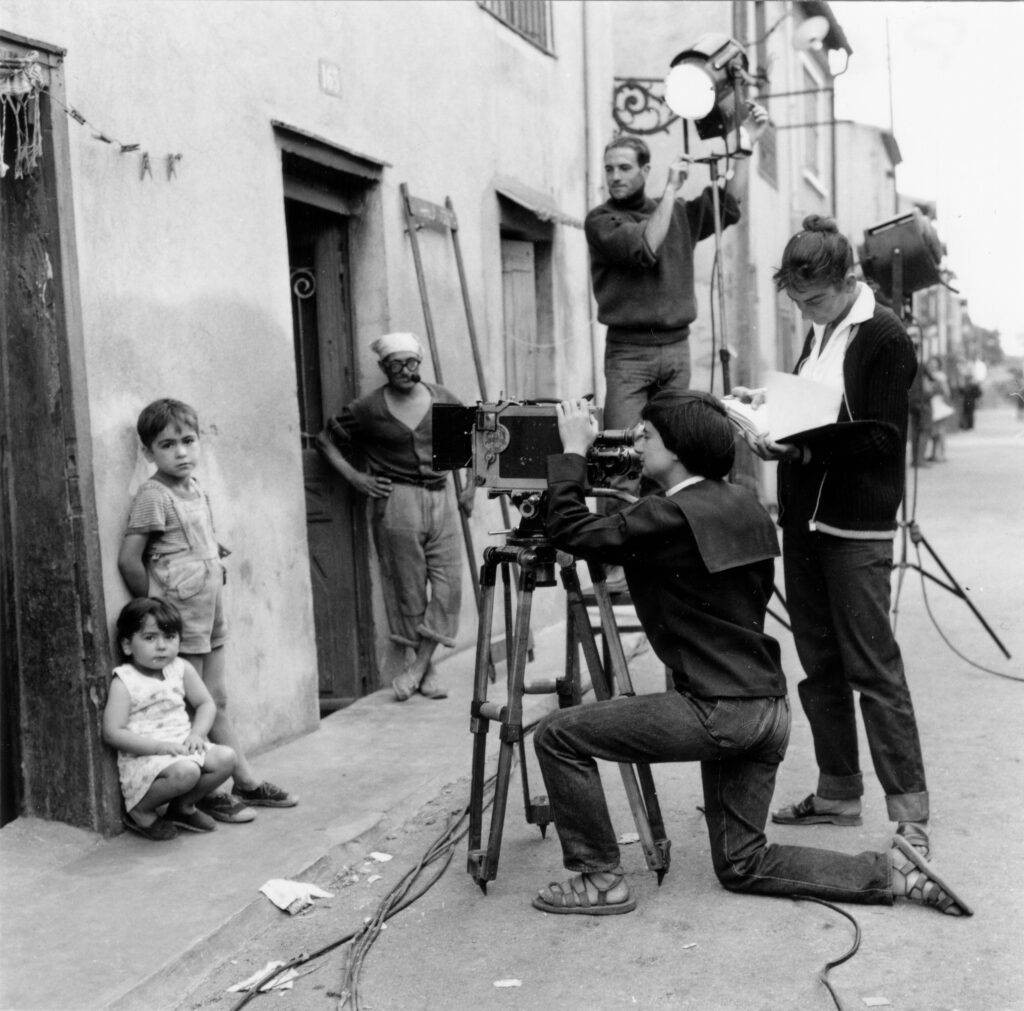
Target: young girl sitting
<point>163,757</point>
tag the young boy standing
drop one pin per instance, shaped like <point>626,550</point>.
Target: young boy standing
<point>169,551</point>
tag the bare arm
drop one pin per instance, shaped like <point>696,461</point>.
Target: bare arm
<point>117,734</point>
<point>368,484</point>
<point>736,186</point>
<point>131,566</point>
<point>204,709</point>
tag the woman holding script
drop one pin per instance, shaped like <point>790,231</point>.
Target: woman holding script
<point>840,486</point>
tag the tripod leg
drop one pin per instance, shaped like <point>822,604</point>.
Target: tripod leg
<point>642,804</point>
<point>479,723</point>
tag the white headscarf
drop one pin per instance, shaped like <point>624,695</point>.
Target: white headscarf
<point>397,343</point>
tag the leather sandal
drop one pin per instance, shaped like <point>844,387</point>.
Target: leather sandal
<point>575,899</point>
<point>917,835</point>
<point>924,884</point>
<point>805,813</point>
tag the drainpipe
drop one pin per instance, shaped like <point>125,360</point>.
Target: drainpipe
<point>587,184</point>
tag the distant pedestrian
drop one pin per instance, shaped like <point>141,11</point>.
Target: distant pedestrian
<point>939,397</point>
<point>163,756</point>
<point>170,551</point>
<point>415,523</point>
<point>972,376</point>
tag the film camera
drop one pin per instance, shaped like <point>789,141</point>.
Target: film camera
<point>507,445</point>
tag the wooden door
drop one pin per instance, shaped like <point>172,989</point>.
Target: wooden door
<point>335,517</point>
<point>519,311</point>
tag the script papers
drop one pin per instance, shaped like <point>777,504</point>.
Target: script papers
<point>792,405</point>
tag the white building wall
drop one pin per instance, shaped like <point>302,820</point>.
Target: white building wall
<point>184,279</point>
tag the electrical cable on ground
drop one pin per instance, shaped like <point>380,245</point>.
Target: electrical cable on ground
<point>836,961</point>
<point>394,902</point>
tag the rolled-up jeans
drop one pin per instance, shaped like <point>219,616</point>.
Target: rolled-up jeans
<point>838,592</point>
<point>739,743</point>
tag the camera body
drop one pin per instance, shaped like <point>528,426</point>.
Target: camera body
<point>506,444</point>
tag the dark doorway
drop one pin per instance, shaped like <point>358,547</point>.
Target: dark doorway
<point>318,253</point>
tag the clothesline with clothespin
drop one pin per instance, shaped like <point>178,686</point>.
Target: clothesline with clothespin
<point>21,83</point>
<point>145,164</point>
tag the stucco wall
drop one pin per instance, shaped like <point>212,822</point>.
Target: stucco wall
<point>184,280</point>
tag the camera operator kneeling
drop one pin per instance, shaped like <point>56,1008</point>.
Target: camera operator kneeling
<point>699,561</point>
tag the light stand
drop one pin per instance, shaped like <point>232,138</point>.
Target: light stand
<point>909,254</point>
<point>705,84</point>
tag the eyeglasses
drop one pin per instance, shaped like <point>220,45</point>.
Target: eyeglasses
<point>396,367</point>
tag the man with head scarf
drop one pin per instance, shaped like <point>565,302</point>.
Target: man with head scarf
<point>415,524</point>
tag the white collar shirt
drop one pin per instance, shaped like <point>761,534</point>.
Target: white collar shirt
<point>683,484</point>
<point>826,365</point>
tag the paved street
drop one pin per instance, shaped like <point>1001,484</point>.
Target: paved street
<point>81,917</point>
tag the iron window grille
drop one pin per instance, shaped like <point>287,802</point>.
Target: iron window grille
<point>529,18</point>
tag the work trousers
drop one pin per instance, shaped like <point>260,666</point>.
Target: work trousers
<point>633,374</point>
<point>416,532</point>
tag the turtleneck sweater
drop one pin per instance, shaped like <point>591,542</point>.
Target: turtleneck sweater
<point>647,297</point>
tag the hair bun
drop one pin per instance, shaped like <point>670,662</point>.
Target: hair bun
<point>816,223</point>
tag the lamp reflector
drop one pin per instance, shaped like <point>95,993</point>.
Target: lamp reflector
<point>690,91</point>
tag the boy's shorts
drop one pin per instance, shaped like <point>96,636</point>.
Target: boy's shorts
<point>199,601</point>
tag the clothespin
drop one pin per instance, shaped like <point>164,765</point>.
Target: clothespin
<point>125,148</point>
<point>145,168</point>
<point>103,137</point>
<point>76,116</point>
<point>172,162</point>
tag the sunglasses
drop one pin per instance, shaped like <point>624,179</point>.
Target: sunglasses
<point>394,367</point>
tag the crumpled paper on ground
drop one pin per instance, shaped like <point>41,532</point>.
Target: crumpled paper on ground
<point>293,896</point>
<point>282,982</point>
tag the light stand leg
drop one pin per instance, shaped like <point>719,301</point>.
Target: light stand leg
<point>915,535</point>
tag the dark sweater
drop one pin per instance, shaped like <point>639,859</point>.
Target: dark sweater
<point>700,571</point>
<point>642,296</point>
<point>860,480</point>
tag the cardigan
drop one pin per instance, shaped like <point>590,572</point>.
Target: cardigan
<point>855,485</point>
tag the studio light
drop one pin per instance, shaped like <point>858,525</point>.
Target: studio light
<point>705,84</point>
<point>902,255</point>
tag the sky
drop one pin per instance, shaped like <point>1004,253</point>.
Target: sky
<point>957,112</point>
